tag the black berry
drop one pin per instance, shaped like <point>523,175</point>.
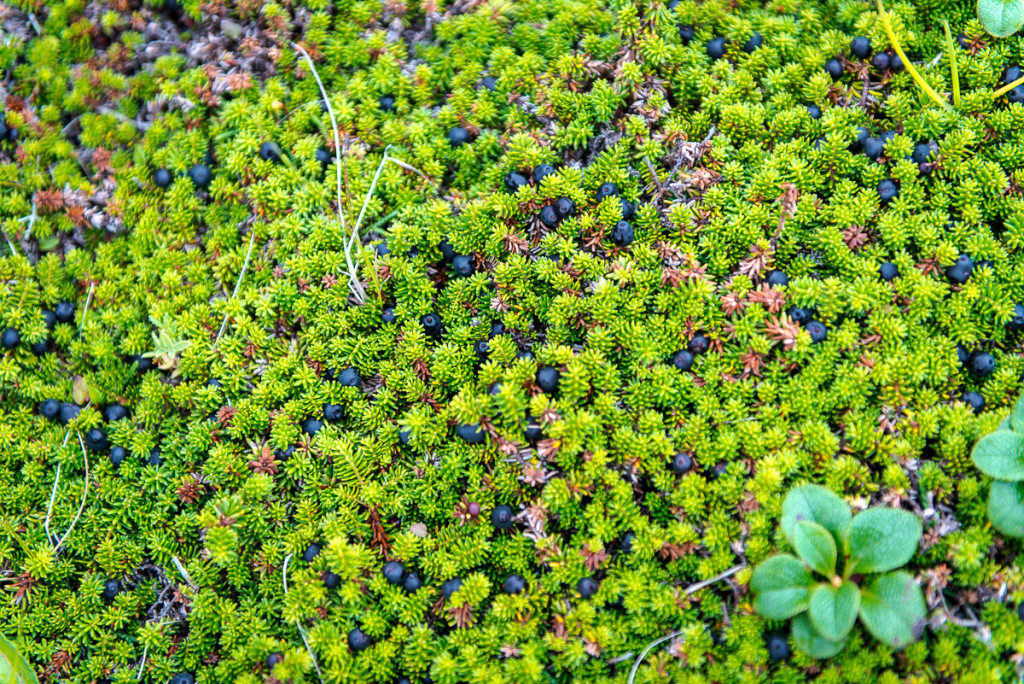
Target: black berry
<point>960,271</point>
<point>682,463</point>
<point>975,401</point>
<point>387,103</point>
<point>451,586</point>
<point>96,440</point>
<point>270,151</point>
<point>117,455</point>
<point>565,207</point>
<point>880,61</point>
<point>502,517</point>
<point>686,34</point>
<point>431,323</point>
<point>982,363</point>
<point>587,587</point>
<point>715,48</point>
<point>394,572</point>
<point>548,378</point>
<point>273,659</point>
<point>921,153</point>
<point>49,409</point>
<point>814,111</point>
<point>699,344</point>
<point>358,640</point>
<point>162,178</point>
<point>388,315</point>
<point>542,171</point>
<point>1016,323</point>
<point>114,413</point>
<point>311,426</point>
<point>470,433</point>
<point>463,265</point>
<point>349,377</point>
<point>458,136</point>
<point>513,584</point>
<point>200,175</point>
<point>834,69</point>
<point>333,413</point>
<point>860,47</point>
<point>754,42</point>
<point>889,271</point>
<point>311,552</point>
<point>622,234</point>
<point>65,312</point>
<point>68,412</point>
<point>682,360</point>
<point>778,647</point>
<point>10,338</point>
<point>607,190</point>
<point>887,191</point>
<point>549,216</point>
<point>332,580</point>
<point>323,157</point>
<point>514,181</point>
<point>155,458</point>
<point>412,582</point>
<point>817,331</point>
<point>896,64</point>
<point>777,278</point>
<point>873,148</point>
<point>182,677</point>
<point>111,588</point>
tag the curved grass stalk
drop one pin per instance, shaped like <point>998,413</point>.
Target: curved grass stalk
<point>1007,88</point>
<point>911,69</point>
<point>952,63</point>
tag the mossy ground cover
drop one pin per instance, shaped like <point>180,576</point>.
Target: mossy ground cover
<point>759,242</point>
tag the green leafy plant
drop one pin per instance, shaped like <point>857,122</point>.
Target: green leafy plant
<point>14,669</point>
<point>857,556</point>
<point>1000,455</point>
<point>1001,18</point>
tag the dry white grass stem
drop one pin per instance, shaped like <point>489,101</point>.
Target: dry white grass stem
<point>302,632</point>
<point>238,283</point>
<point>353,275</point>
<point>689,590</point>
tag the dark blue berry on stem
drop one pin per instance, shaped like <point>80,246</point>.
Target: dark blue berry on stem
<point>975,401</point>
<point>270,151</point>
<point>68,412</point>
<point>889,271</point>
<point>502,517</point>
<point>548,378</point>
<point>333,413</point>
<point>1016,323</point>
<point>587,587</point>
<point>311,552</point>
<point>311,426</point>
<point>834,69</point>
<point>860,47</point>
<point>778,647</point>
<point>394,572</point>
<point>463,265</point>
<point>358,640</point>
<point>607,190</point>
<point>683,360</point>
<point>200,175</point>
<point>458,136</point>
<point>470,433</point>
<point>514,181</point>
<point>65,312</point>
<point>111,588</point>
<point>982,363</point>
<point>542,171</point>
<point>565,207</point>
<point>887,191</point>
<point>431,323</point>
<point>754,42</point>
<point>549,216</point>
<point>349,377</point>
<point>162,178</point>
<point>10,338</point>
<point>699,344</point>
<point>412,582</point>
<point>117,455</point>
<point>682,463</point>
<point>387,103</point>
<point>777,278</point>
<point>817,331</point>
<point>814,111</point>
<point>716,48</point>
<point>960,271</point>
<point>686,33</point>
<point>114,413</point>
<point>622,234</point>
<point>513,584</point>
<point>880,61</point>
<point>451,586</point>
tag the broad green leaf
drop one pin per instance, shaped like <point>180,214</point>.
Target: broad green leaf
<point>1001,18</point>
<point>881,539</point>
<point>814,503</point>
<point>14,669</point>
<point>781,586</point>
<point>1006,507</point>
<point>815,546</point>
<point>1017,416</point>
<point>1000,455</point>
<point>833,611</point>
<point>811,642</point>
<point>892,608</point>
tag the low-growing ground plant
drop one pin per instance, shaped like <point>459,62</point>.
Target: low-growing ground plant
<point>1000,455</point>
<point>856,556</point>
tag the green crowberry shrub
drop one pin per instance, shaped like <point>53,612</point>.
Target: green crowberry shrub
<point>633,379</point>
<point>856,556</point>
